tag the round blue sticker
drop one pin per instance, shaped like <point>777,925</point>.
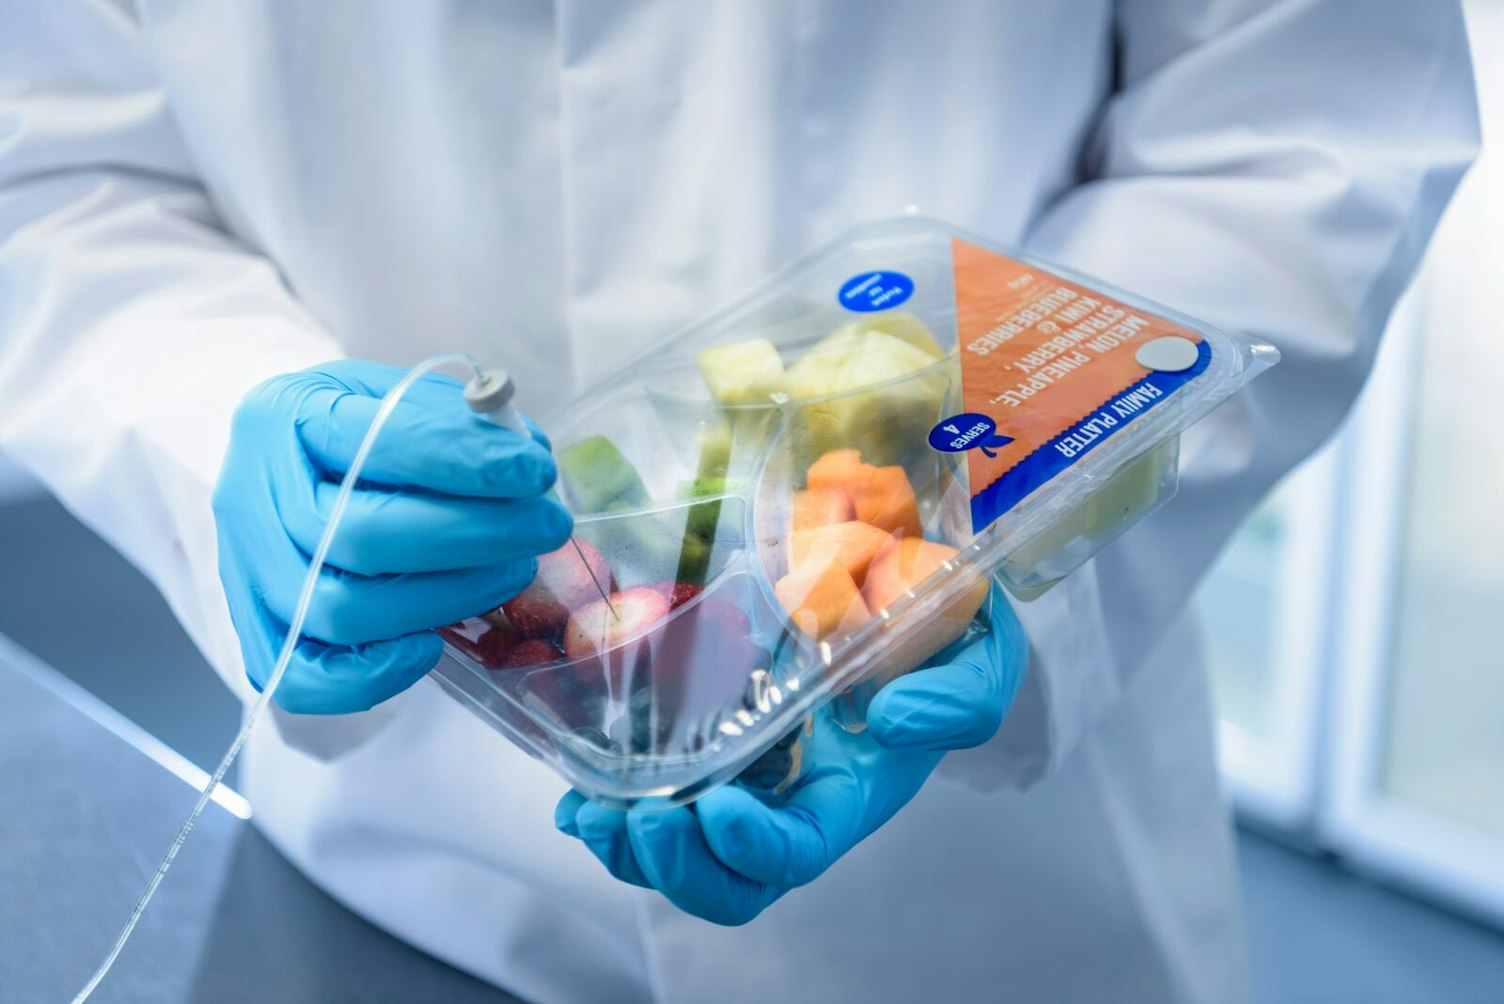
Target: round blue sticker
<point>968,431</point>
<point>875,291</point>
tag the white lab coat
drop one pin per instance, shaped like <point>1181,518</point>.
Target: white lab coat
<point>196,196</point>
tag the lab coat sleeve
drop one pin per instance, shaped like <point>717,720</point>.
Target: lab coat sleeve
<point>131,322</point>
<point>1275,168</point>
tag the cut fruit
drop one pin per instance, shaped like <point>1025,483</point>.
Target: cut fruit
<point>901,566</point>
<point>681,671</point>
<point>596,626</point>
<point>902,325</point>
<point>853,358</point>
<point>596,478</point>
<point>815,507</point>
<point>653,547</point>
<point>695,554</point>
<point>533,652</point>
<point>702,524</point>
<point>906,328</point>
<point>840,471</point>
<point>490,648</point>
<point>882,496</point>
<point>563,583</point>
<point>713,443</point>
<point>822,600</point>
<point>690,663</point>
<point>498,617</point>
<point>704,517</point>
<point>746,372</point>
<point>1130,494</point>
<point>898,571</point>
<point>886,500</point>
<point>681,593</point>
<point>838,369</point>
<point>778,766</point>
<point>850,546</point>
<point>678,593</point>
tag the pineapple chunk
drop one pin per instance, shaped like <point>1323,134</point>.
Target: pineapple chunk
<point>745,372</point>
<point>836,369</point>
<point>906,328</point>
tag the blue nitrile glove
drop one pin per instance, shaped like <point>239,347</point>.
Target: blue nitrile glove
<point>730,854</point>
<point>445,524</point>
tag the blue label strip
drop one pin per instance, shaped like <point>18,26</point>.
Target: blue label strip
<point>1115,414</point>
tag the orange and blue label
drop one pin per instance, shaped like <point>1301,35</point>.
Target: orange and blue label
<point>1048,373</point>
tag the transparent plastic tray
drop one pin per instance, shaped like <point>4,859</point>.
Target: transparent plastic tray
<point>687,473</point>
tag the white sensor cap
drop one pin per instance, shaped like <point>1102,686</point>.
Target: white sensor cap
<point>489,390</point>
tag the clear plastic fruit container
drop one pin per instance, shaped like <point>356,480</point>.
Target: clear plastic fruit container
<point>810,492</point>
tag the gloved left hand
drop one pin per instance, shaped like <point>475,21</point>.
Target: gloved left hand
<point>729,855</point>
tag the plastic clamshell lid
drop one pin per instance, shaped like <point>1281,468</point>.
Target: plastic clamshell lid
<point>760,569</point>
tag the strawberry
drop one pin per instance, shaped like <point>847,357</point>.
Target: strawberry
<point>490,648</point>
<point>682,592</point>
<point>563,583</point>
<point>531,652</point>
<point>678,593</point>
<point>497,617</point>
<point>595,628</point>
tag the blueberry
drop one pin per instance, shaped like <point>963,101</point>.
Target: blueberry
<point>635,729</point>
<point>773,767</point>
<point>769,770</point>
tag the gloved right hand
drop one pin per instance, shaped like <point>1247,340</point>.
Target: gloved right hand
<point>445,524</point>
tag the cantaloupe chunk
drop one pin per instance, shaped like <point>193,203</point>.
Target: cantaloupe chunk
<point>894,573</point>
<point>902,565</point>
<point>886,500</point>
<point>816,507</point>
<point>822,600</point>
<point>850,545</point>
<point>838,470</point>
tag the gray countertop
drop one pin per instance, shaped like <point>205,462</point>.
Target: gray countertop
<point>88,804</point>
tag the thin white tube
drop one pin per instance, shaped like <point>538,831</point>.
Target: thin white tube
<point>289,645</point>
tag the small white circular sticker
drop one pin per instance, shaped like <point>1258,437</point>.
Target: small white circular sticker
<point>1170,354</point>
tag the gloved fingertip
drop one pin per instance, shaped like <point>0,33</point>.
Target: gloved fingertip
<point>775,847</point>
<point>562,526</point>
<point>514,466</point>
<point>424,648</point>
<point>546,471</point>
<point>515,576</point>
<point>935,709</point>
<point>536,431</point>
<point>566,811</point>
<point>595,822</point>
<point>650,824</point>
<point>889,717</point>
<point>663,843</point>
<point>731,819</point>
<point>401,662</point>
<point>605,834</point>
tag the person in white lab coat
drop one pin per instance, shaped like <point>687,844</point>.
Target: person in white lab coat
<point>196,197</point>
